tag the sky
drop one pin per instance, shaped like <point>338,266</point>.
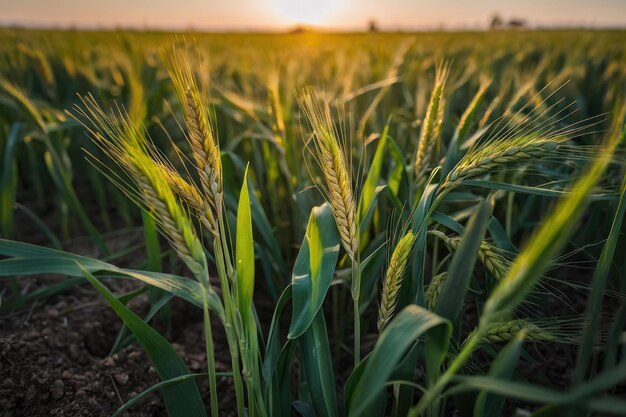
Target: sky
<point>242,15</point>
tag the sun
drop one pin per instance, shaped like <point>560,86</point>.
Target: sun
<point>311,12</point>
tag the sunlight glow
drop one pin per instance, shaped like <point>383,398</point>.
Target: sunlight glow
<point>310,12</point>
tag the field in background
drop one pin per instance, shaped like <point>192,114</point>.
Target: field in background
<point>253,76</point>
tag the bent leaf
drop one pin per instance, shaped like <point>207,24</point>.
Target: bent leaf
<point>314,269</point>
<point>26,259</point>
<point>412,322</point>
<point>182,399</point>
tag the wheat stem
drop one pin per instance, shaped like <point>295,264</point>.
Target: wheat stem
<point>210,354</point>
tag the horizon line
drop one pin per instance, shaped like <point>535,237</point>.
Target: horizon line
<point>439,27</point>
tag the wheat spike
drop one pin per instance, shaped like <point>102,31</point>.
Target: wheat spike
<point>40,63</point>
<point>201,138</point>
<point>174,222</point>
<point>492,156</point>
<point>432,292</point>
<point>506,330</point>
<point>190,195</point>
<point>393,279</point>
<point>162,202</point>
<point>488,254</point>
<point>431,126</point>
<point>122,140</point>
<point>333,163</point>
<point>205,150</point>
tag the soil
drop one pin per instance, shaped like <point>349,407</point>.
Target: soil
<point>55,352</point>
<point>54,358</point>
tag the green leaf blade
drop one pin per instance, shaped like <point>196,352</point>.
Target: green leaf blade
<point>401,333</point>
<point>245,253</point>
<point>182,399</point>
<point>314,269</point>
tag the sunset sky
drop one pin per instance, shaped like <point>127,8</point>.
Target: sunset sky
<point>280,14</point>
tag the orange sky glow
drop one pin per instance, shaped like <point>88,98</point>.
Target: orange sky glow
<point>281,14</point>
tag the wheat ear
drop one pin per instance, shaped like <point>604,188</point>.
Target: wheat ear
<point>126,143</point>
<point>174,221</point>
<point>433,290</point>
<point>205,151</point>
<point>393,279</point>
<point>493,156</point>
<point>504,331</point>
<point>431,126</point>
<point>190,195</point>
<point>333,163</point>
<point>488,254</point>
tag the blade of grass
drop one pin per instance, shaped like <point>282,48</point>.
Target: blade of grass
<point>393,343</point>
<point>182,399</point>
<point>56,243</point>
<point>151,236</point>
<point>586,395</point>
<point>8,183</point>
<point>318,365</point>
<point>460,271</point>
<point>373,175</point>
<point>455,287</point>
<point>502,368</point>
<point>598,286</point>
<point>66,188</point>
<point>163,384</point>
<point>314,269</point>
<point>27,259</point>
<point>244,254</point>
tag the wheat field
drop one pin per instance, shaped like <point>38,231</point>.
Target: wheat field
<point>367,224</point>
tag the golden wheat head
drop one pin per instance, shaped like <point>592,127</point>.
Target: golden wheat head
<point>332,159</point>
<point>191,92</point>
<point>127,145</point>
